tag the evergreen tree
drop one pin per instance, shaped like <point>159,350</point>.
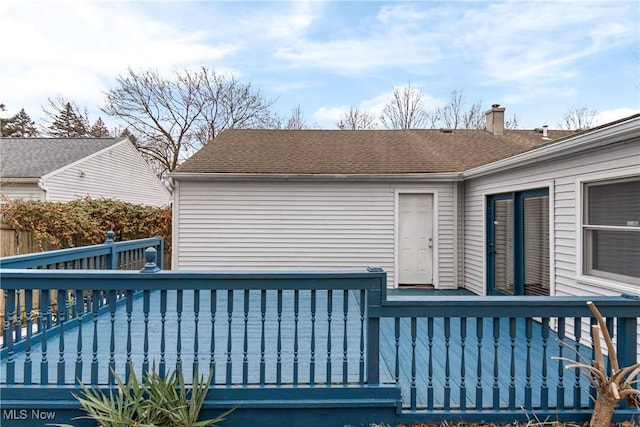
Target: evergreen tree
<point>4,123</point>
<point>69,122</point>
<point>20,126</point>
<point>99,129</point>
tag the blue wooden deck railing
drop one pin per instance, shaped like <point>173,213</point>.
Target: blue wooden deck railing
<point>111,255</point>
<point>294,340</point>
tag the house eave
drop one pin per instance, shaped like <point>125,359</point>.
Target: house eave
<point>23,180</point>
<point>404,177</point>
<point>619,132</point>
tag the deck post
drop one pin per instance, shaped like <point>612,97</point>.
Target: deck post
<point>112,257</point>
<point>374,299</point>
<point>150,266</point>
<point>160,255</point>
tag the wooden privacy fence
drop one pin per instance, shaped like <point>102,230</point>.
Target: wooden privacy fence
<point>16,242</point>
<point>111,255</point>
<point>282,340</point>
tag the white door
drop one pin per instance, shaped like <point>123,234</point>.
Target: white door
<point>415,240</point>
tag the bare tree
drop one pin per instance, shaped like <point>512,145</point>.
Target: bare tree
<point>296,121</point>
<point>229,104</point>
<point>405,110</point>
<point>578,118</point>
<point>456,115</point>
<point>512,123</point>
<point>356,119</point>
<point>174,116</point>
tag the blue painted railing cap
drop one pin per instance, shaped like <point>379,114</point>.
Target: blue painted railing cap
<point>374,269</point>
<point>150,255</point>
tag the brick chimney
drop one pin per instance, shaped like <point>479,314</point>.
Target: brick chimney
<point>495,119</point>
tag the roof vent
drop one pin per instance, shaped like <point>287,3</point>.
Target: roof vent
<point>545,132</point>
<point>446,130</point>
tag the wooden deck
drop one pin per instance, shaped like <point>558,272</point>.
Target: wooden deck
<point>308,340</point>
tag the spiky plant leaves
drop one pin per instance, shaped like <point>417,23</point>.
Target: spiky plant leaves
<point>156,401</point>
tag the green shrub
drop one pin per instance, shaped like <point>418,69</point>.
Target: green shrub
<point>154,401</point>
<point>86,221</point>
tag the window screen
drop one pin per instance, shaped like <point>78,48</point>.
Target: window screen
<point>612,230</point>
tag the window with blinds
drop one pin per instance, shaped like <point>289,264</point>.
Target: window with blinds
<point>611,230</point>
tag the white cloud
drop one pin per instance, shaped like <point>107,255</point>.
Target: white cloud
<point>76,48</point>
<point>291,24</point>
<point>536,43</point>
<point>327,117</point>
<point>607,116</point>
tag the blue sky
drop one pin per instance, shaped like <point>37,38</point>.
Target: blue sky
<point>537,59</point>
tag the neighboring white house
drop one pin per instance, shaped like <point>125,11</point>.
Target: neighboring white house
<point>495,211</point>
<point>64,169</point>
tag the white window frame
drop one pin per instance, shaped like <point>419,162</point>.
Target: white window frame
<point>605,280</point>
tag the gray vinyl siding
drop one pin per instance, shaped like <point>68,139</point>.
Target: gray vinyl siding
<point>13,190</point>
<point>116,173</point>
<point>298,225</point>
<point>563,177</point>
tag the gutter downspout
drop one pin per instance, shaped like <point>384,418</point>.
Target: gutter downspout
<point>45,190</point>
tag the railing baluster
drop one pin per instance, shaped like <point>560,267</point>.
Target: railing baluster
<point>9,317</point>
<point>592,390</point>
<point>245,345</point>
<point>312,363</point>
<point>146,307</point>
<point>162,368</point>
<point>362,308</point>
<point>18,319</point>
<point>329,312</point>
<point>179,305</point>
<point>479,388</point>
<point>577,334</point>
<point>229,334</point>
<point>345,345</point>
<point>95,305</point>
<point>447,366</point>
<point>212,348</point>
<point>111,298</point>
<point>430,364</point>
<point>496,363</point>
<point>512,363</point>
<point>396,333</point>
<point>544,389</point>
<point>279,343</point>
<point>196,333</point>
<point>129,305</point>
<point>61,319</point>
<point>560,386</point>
<point>28,311</point>
<point>527,387</point>
<point>463,386</point>
<point>414,333</point>
<point>45,310</point>
<point>296,298</point>
<point>263,314</point>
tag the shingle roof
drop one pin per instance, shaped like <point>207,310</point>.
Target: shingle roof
<point>239,151</point>
<point>36,157</point>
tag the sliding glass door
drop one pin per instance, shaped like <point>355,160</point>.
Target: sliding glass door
<point>518,243</point>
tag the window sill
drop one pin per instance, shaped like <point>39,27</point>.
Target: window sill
<point>609,287</point>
